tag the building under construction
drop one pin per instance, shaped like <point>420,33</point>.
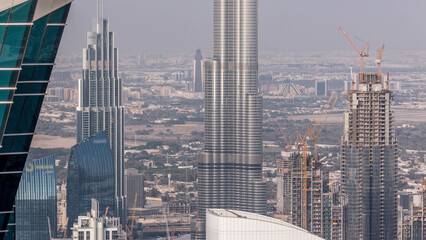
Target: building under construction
<point>369,157</point>
<point>316,208</point>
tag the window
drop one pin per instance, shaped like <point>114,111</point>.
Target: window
<point>80,235</point>
<point>107,236</point>
<point>114,235</point>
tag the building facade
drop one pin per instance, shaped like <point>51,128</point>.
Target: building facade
<point>224,224</point>
<point>36,200</point>
<point>90,175</point>
<point>230,167</point>
<point>321,88</point>
<point>135,185</point>
<point>100,106</point>
<point>198,84</point>
<point>369,161</point>
<point>31,31</point>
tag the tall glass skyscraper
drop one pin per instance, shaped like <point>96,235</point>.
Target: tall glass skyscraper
<point>369,161</point>
<point>90,175</point>
<point>30,31</point>
<point>100,106</point>
<point>36,200</point>
<point>230,168</point>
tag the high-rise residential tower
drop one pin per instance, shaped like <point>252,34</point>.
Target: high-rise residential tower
<point>198,84</point>
<point>369,161</point>
<point>30,31</point>
<point>230,167</point>
<point>100,106</point>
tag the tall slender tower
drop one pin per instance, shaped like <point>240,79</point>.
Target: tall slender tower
<point>369,161</point>
<point>198,72</point>
<point>100,105</point>
<point>230,168</point>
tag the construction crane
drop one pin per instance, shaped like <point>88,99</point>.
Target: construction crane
<point>304,181</point>
<point>379,61</point>
<point>362,54</point>
<point>314,134</point>
<point>130,231</point>
<point>106,211</point>
<point>282,132</point>
<point>50,228</point>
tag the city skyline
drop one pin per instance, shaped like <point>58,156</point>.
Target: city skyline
<point>221,138</point>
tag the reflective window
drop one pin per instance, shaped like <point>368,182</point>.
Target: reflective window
<point>24,114</point>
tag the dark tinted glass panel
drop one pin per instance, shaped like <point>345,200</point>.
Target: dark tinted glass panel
<point>24,114</point>
<point>31,88</point>
<point>3,221</point>
<point>12,162</point>
<point>13,46</point>
<point>5,95</point>
<point>60,15</point>
<point>9,185</point>
<point>8,78</point>
<point>16,144</point>
<point>35,40</point>
<point>2,34</point>
<point>50,44</point>
<point>4,16</point>
<point>20,12</point>
<point>10,235</point>
<point>37,73</point>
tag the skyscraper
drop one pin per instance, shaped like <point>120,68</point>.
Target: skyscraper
<point>230,167</point>
<point>90,175</point>
<point>36,200</point>
<point>198,84</point>
<point>31,31</point>
<point>369,161</point>
<point>100,105</point>
<point>135,185</point>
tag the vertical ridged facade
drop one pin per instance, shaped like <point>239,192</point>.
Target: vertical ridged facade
<point>230,168</point>
<point>100,105</point>
<point>36,200</point>
<point>31,31</point>
<point>369,162</point>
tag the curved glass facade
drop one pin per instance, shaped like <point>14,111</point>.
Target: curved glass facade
<point>36,200</point>
<point>90,175</point>
<point>33,27</point>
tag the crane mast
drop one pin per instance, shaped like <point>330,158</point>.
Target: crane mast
<point>362,54</point>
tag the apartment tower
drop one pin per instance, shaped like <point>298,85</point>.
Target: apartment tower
<point>369,161</point>
<point>100,106</point>
<point>230,167</point>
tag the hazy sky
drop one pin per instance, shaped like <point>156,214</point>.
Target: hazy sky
<point>284,25</point>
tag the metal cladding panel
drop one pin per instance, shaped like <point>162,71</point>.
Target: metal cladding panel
<point>6,4</point>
